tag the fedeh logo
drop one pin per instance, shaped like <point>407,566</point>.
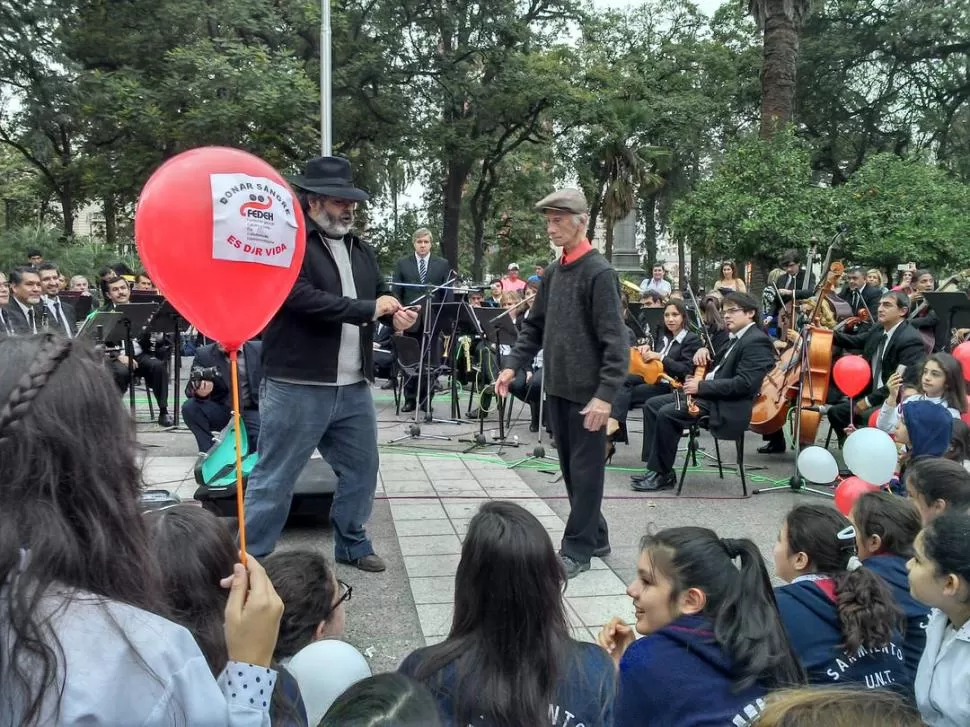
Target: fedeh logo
<point>257,208</point>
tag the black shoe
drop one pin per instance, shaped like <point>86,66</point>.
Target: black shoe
<point>534,427</point>
<point>771,448</point>
<point>610,451</point>
<point>572,567</point>
<point>636,479</point>
<point>372,563</point>
<point>602,551</point>
<point>655,481</point>
<point>409,405</point>
<point>165,419</point>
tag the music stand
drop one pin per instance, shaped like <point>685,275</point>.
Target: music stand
<point>81,303</point>
<point>134,317</point>
<point>497,324</point>
<point>167,314</point>
<point>952,309</point>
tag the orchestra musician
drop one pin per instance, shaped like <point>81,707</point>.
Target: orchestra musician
<point>24,313</point>
<point>725,393</point>
<point>859,294</point>
<point>921,317</point>
<point>675,349</point>
<point>890,344</point>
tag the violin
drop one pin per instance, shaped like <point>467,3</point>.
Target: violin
<point>850,324</point>
<point>651,372</point>
<point>699,373</point>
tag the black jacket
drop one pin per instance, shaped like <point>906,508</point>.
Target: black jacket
<point>785,283</point>
<point>738,380</point>
<point>302,340</point>
<point>859,300</point>
<point>406,271</point>
<point>209,356</point>
<point>904,348</point>
<point>679,361</point>
<point>57,325</point>
<point>17,321</point>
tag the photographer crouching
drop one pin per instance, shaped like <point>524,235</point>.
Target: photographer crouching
<point>208,404</point>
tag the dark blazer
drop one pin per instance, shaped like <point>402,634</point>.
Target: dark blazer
<point>905,348</point>
<point>406,271</point>
<point>17,321</point>
<point>58,325</point>
<point>731,392</point>
<point>209,356</point>
<point>868,296</point>
<point>799,285</point>
<point>679,361</point>
<point>927,323</point>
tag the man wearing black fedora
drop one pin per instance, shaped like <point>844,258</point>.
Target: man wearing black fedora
<point>317,365</point>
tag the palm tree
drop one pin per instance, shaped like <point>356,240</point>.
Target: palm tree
<point>627,172</point>
<point>780,21</point>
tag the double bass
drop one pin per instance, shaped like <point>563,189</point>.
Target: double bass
<point>781,385</point>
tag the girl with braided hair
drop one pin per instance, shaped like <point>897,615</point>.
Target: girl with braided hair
<point>714,643</point>
<point>84,636</point>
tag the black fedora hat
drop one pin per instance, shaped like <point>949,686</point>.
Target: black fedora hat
<point>329,176</point>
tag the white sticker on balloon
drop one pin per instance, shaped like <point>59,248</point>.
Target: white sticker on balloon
<point>253,220</point>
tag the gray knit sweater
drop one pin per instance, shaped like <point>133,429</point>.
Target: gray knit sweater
<point>577,323</point>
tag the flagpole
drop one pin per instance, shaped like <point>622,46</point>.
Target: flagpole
<point>325,79</point>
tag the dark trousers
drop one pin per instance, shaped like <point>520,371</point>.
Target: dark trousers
<point>204,417</point>
<point>632,395</point>
<point>664,420</point>
<point>840,415</point>
<point>383,364</point>
<point>151,369</point>
<point>583,467</point>
<point>431,359</point>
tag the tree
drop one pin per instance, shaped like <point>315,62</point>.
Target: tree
<point>780,21</point>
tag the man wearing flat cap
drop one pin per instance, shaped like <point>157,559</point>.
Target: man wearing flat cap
<point>317,365</point>
<point>576,321</point>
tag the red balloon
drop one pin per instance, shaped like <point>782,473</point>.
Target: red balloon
<point>851,374</point>
<point>873,418</point>
<point>962,354</point>
<point>222,235</point>
<point>848,491</point>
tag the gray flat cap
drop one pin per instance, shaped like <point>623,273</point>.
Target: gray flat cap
<point>567,200</point>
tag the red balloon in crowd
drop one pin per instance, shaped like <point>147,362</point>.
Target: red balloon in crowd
<point>848,491</point>
<point>221,234</point>
<point>962,354</point>
<point>851,374</point>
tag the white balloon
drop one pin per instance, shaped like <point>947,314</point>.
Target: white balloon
<point>816,464</point>
<point>870,454</point>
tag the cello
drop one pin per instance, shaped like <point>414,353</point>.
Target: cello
<point>781,385</point>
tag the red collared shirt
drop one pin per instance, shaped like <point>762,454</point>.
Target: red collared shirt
<point>577,252</point>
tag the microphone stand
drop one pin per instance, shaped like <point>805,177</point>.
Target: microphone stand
<point>539,451</point>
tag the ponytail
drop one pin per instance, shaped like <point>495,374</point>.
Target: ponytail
<point>868,613</point>
<point>740,602</point>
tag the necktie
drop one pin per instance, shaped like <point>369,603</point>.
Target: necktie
<point>60,318</point>
<point>30,320</point>
<point>423,271</point>
<point>877,362</point>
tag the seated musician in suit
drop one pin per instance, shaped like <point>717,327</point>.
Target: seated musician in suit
<point>891,343</point>
<point>61,317</point>
<point>148,353</point>
<point>208,395</point>
<point>674,348</point>
<point>921,316</point>
<point>24,314</point>
<point>383,355</point>
<point>859,294</point>
<point>725,394</point>
<point>419,268</point>
<point>489,358</point>
<point>527,384</point>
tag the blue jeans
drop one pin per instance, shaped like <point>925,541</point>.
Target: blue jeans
<point>340,422</point>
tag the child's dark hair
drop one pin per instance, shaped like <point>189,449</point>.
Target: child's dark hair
<point>946,542</point>
<point>740,602</point>
<point>894,519</point>
<point>935,478</point>
<point>867,611</point>
<point>303,580</point>
<point>385,700</point>
<point>959,449</point>
<point>954,387</point>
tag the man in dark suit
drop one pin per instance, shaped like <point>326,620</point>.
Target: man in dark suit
<point>791,284</point>
<point>24,313</point>
<point>61,316</point>
<point>923,318</point>
<point>888,345</point>
<point>421,268</point>
<point>208,395</point>
<point>725,395</point>
<point>859,294</point>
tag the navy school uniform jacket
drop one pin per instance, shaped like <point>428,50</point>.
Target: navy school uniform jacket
<point>811,619</point>
<point>584,698</point>
<point>679,676</point>
<point>892,569</point>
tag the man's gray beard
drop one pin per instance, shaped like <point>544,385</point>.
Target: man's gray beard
<point>332,226</point>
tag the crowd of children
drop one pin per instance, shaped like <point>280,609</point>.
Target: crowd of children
<point>109,616</point>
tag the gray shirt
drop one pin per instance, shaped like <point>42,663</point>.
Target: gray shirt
<point>350,364</point>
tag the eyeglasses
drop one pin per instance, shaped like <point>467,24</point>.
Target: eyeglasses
<point>346,591</point>
<point>730,310</point>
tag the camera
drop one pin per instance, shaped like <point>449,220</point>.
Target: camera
<point>198,374</point>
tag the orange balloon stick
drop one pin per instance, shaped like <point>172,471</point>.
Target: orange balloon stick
<point>240,507</point>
